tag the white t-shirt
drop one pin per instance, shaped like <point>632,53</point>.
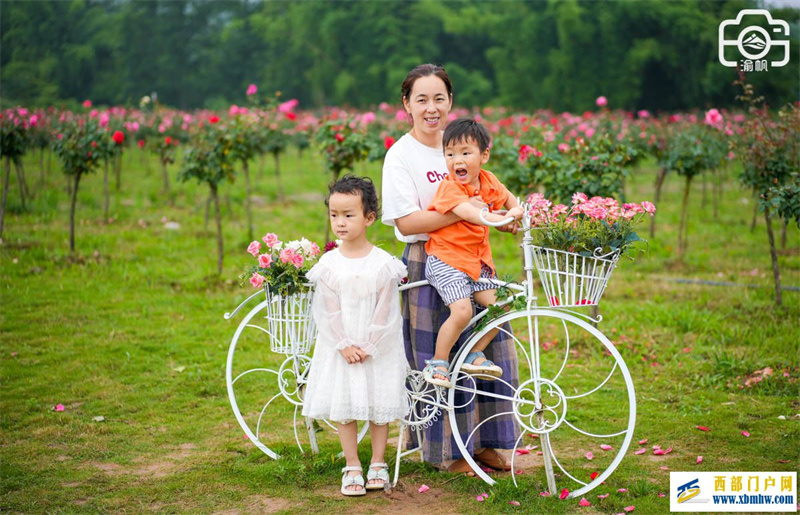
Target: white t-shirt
<point>411,175</point>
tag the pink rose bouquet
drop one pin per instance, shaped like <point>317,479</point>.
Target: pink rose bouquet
<point>280,266</point>
<point>588,224</point>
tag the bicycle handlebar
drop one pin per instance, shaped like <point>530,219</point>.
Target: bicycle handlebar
<point>501,223</point>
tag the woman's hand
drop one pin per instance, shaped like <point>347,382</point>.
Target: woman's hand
<point>353,354</point>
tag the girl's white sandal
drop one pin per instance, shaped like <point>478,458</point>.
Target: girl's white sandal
<point>381,473</point>
<point>348,480</point>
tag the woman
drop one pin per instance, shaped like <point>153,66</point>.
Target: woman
<point>412,170</point>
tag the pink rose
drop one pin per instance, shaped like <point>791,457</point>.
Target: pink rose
<point>367,118</point>
<point>287,255</point>
<point>601,101</point>
<point>713,118</point>
<point>579,198</point>
<point>256,280</point>
<point>298,260</point>
<point>264,260</point>
<point>649,207</point>
<point>563,148</point>
<point>287,106</point>
<point>271,240</point>
<point>314,250</point>
<point>252,89</point>
<point>253,248</point>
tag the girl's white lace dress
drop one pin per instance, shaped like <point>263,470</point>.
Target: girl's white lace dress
<point>356,302</point>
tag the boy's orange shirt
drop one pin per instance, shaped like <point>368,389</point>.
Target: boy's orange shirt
<point>464,245</point>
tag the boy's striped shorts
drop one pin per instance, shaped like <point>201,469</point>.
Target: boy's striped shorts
<point>453,284</point>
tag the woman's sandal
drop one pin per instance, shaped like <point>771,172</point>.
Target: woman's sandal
<point>348,480</point>
<point>487,368</point>
<point>379,474</point>
<point>432,368</point>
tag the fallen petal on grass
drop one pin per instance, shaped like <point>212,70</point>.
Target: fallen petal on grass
<point>699,459</point>
<point>603,496</point>
<point>606,447</point>
<point>544,494</point>
<point>642,442</point>
<point>641,451</point>
<point>99,418</point>
<point>58,407</point>
<point>589,455</point>
<point>745,433</point>
<point>423,489</point>
<point>513,503</point>
<point>584,502</point>
<point>520,452</point>
<point>629,508</point>
<point>702,428</point>
<point>622,490</point>
<point>664,468</point>
<point>564,493</point>
<point>593,475</point>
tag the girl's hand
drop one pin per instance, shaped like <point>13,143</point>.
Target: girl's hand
<point>353,354</point>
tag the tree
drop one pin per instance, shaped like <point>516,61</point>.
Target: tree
<point>209,161</point>
<point>770,156</point>
<point>76,147</point>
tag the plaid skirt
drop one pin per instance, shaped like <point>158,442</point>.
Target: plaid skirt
<point>423,314</point>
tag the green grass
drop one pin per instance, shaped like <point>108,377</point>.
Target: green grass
<point>130,329</point>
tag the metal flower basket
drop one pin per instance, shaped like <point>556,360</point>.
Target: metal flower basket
<point>570,279</point>
<point>290,325</point>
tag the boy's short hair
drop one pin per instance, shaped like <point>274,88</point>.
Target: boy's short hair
<point>352,185</point>
<point>465,129</point>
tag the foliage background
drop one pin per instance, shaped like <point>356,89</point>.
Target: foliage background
<point>656,55</point>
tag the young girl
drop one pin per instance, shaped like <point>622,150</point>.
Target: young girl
<point>359,366</point>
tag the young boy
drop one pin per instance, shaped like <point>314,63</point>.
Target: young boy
<point>459,254</point>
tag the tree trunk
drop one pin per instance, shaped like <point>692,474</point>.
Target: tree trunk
<point>277,157</point>
<point>166,182</point>
<point>105,190</point>
<point>774,255</point>
<point>716,191</point>
<point>72,213</point>
<point>21,182</point>
<point>41,167</point>
<point>783,233</point>
<point>328,225</point>
<point>208,210</point>
<point>682,229</point>
<point>704,201</point>
<point>662,174</point>
<point>118,169</point>
<point>218,219</point>
<point>5,194</point>
<point>247,206</point>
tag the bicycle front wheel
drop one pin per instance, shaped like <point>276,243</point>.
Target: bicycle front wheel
<point>574,407</point>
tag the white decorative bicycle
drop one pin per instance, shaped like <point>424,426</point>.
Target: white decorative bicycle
<point>573,404</point>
